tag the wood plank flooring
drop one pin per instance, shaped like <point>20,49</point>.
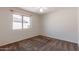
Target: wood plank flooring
<point>40,43</point>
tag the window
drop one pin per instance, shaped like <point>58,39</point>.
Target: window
<point>26,22</point>
<point>17,22</point>
<point>21,22</point>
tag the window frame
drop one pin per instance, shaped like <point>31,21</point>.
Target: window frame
<point>22,27</point>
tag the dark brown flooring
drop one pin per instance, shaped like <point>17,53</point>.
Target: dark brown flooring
<point>40,43</point>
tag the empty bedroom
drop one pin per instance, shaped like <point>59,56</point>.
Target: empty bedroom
<point>39,29</point>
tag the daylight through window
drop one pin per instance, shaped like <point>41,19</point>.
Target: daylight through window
<point>21,22</point>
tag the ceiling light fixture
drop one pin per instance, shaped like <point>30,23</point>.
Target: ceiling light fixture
<point>41,10</point>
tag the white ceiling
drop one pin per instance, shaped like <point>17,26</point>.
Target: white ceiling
<point>37,9</point>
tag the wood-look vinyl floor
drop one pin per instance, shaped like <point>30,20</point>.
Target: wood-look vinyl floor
<point>40,43</point>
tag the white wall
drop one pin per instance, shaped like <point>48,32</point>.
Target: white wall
<point>7,35</point>
<point>61,24</point>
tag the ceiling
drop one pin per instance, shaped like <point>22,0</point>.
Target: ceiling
<point>37,9</point>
